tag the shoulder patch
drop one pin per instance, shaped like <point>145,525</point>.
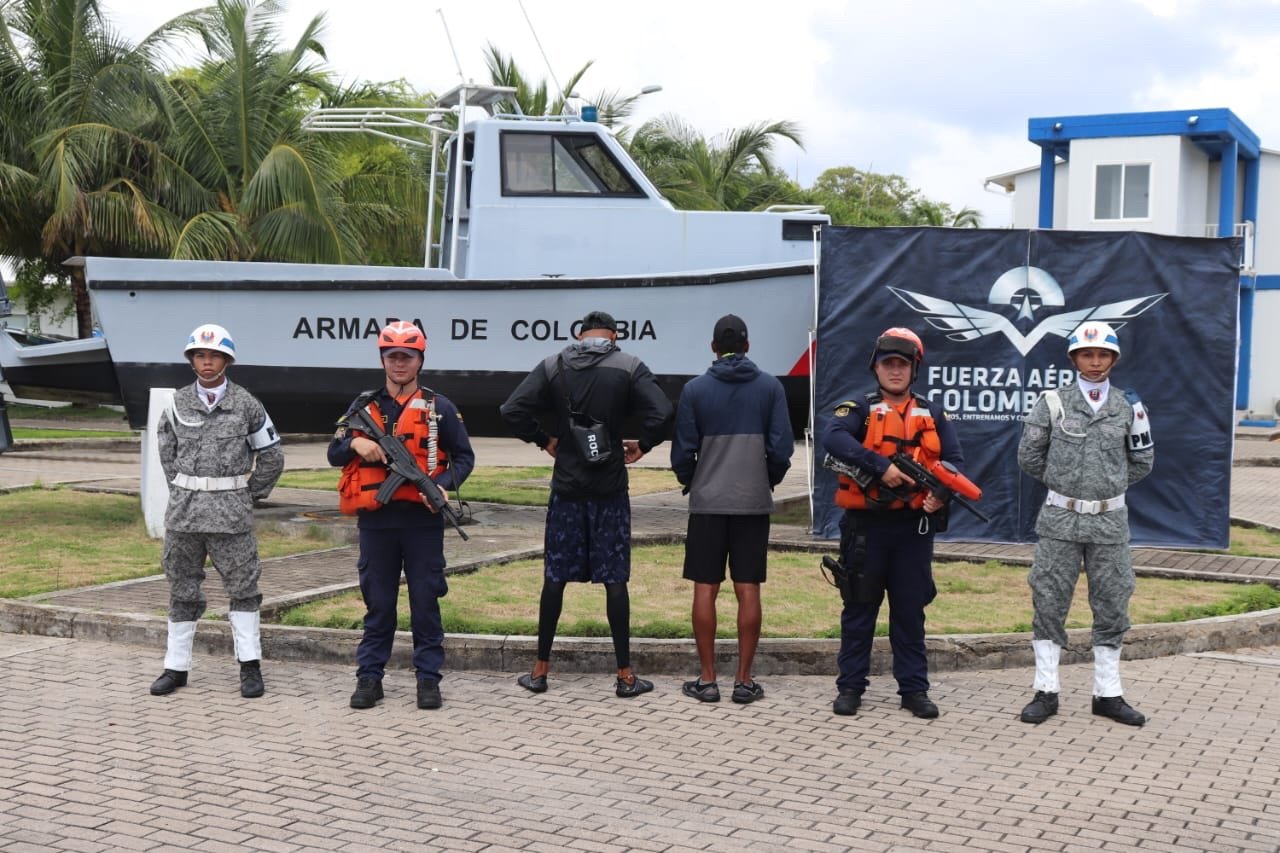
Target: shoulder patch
<point>843,409</point>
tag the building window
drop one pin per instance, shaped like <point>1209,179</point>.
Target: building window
<point>1122,191</point>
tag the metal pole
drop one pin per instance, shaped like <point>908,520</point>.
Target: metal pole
<point>458,182</point>
<point>431,201</point>
<point>809,460</point>
<point>6,434</point>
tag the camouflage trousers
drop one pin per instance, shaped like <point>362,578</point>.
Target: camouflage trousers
<point>1053,582</point>
<point>234,555</point>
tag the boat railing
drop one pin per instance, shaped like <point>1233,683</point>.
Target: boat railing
<point>794,208</point>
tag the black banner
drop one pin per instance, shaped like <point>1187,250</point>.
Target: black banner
<point>994,309</point>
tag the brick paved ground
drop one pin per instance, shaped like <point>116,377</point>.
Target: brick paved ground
<point>91,762</point>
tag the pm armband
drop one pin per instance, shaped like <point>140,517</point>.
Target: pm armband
<point>1140,429</point>
<point>265,437</point>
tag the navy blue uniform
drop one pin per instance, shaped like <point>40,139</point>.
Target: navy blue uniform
<point>898,554</point>
<point>406,536</point>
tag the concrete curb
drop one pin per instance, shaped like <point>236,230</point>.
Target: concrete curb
<point>951,653</point>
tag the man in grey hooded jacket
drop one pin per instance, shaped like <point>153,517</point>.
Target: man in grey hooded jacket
<point>732,445</point>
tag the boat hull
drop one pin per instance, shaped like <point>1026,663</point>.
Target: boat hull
<point>77,371</point>
<point>306,336</point>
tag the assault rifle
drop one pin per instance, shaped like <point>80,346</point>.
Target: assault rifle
<point>403,468</point>
<point>943,481</point>
<point>940,478</point>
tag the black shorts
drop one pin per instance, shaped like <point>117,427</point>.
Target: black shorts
<point>741,539</point>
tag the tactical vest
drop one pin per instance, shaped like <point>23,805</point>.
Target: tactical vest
<point>886,433</point>
<point>418,429</point>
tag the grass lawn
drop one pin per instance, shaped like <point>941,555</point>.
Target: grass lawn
<point>53,432</point>
<point>64,413</point>
<point>972,598</point>
<point>60,539</point>
<point>491,484</point>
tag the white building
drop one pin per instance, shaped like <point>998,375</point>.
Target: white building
<point>1198,173</point>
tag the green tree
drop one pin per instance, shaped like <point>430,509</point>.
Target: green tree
<point>732,172</point>
<point>855,197</point>
<point>78,109</point>
<point>535,99</point>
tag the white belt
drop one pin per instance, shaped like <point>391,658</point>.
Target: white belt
<point>1084,507</point>
<point>211,484</point>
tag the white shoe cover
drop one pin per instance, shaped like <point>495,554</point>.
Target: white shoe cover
<point>177,655</point>
<point>244,628</point>
<point>1106,672</point>
<point>1048,654</point>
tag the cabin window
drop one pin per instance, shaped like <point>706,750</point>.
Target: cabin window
<point>1122,191</point>
<point>573,164</point>
<point>799,229</point>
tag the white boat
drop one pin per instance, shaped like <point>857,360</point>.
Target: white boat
<point>547,219</point>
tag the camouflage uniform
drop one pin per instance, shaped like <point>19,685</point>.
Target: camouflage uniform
<point>1094,467</point>
<point>1090,457</point>
<point>200,443</point>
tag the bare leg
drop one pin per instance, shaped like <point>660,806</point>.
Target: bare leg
<point>749,618</point>
<point>704,628</point>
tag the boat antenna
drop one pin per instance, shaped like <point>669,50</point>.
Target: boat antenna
<point>449,38</point>
<point>551,72</point>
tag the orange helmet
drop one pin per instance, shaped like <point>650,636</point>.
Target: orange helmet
<point>900,342</point>
<point>402,335</point>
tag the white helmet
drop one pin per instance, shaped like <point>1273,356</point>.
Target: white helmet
<point>211,336</point>
<point>1094,333</point>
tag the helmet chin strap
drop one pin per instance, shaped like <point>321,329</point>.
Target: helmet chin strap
<point>217,376</point>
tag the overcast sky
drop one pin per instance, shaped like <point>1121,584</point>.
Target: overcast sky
<point>938,92</point>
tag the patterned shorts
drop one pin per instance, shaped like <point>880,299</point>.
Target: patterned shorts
<point>588,540</point>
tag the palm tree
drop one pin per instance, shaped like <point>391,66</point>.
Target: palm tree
<point>77,105</point>
<point>535,99</point>
<point>940,214</point>
<point>732,172</point>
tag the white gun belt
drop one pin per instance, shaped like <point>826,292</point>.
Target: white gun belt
<point>1082,506</point>
<point>211,484</point>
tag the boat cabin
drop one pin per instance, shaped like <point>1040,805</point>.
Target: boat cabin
<point>597,214</point>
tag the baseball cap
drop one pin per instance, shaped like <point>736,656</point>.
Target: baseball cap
<point>730,333</point>
<point>598,320</point>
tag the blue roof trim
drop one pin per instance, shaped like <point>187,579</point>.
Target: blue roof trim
<point>1211,130</point>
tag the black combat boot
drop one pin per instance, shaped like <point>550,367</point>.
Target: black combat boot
<point>169,681</point>
<point>920,705</point>
<point>429,696</point>
<point>1041,708</point>
<point>251,686</point>
<point>1117,709</point>
<point>847,703</point>
<point>368,692</point>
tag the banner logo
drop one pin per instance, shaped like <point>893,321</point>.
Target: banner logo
<point>1027,289</point>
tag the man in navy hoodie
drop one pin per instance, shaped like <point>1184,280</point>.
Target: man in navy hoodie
<point>732,445</point>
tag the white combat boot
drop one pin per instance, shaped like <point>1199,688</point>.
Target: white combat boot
<point>177,658</point>
<point>245,632</point>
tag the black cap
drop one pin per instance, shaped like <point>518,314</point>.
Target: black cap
<point>598,320</point>
<point>730,333</point>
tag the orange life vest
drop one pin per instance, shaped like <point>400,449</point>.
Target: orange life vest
<point>888,433</point>
<point>417,428</point>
